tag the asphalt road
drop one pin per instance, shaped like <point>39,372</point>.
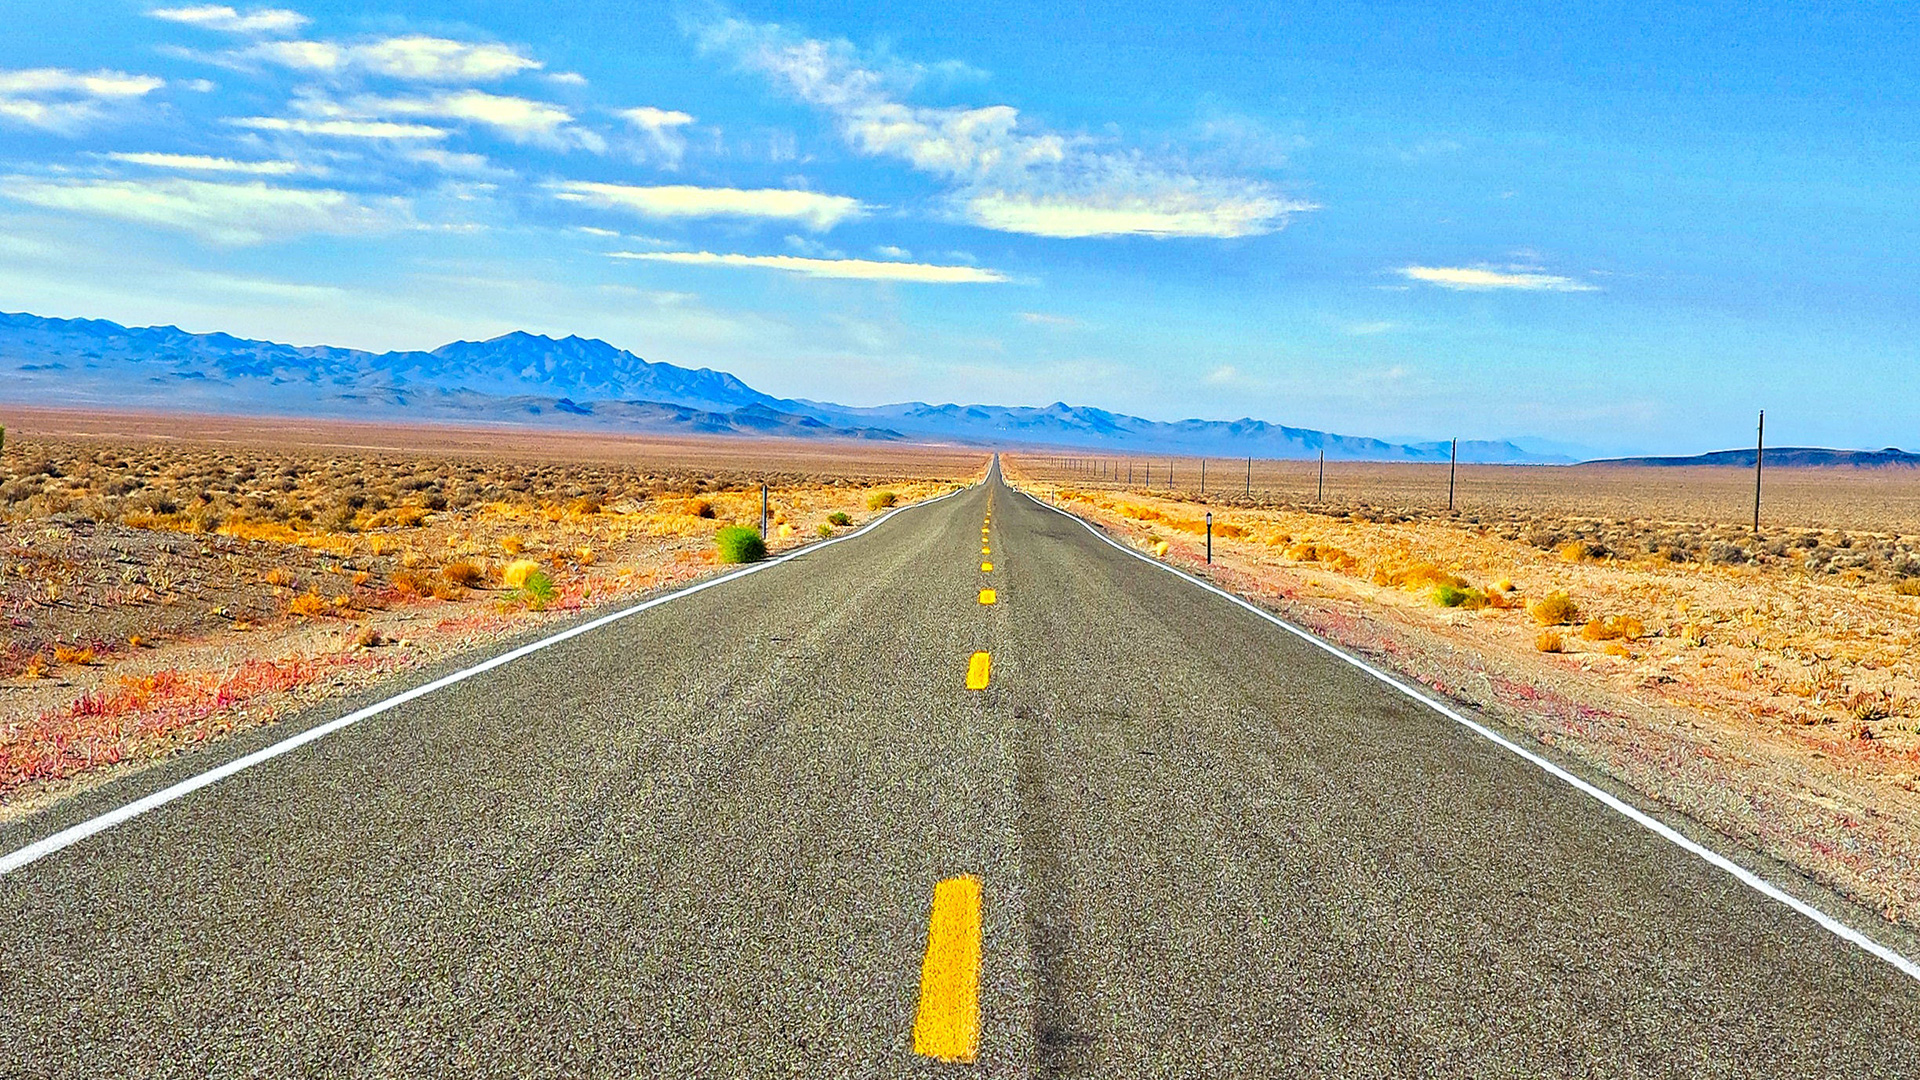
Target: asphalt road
<point>703,841</point>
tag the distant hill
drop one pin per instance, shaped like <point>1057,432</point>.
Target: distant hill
<point>1784,457</point>
<point>523,378</point>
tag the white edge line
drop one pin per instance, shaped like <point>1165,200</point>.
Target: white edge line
<point>73,834</point>
<point>1740,873</point>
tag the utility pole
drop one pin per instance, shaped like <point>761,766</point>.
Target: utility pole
<point>1249,478</point>
<point>1759,451</point>
<point>1203,476</point>
<point>1320,495</point>
<point>1453,463</point>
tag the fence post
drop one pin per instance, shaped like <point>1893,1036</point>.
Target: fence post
<point>1320,494</point>
<point>1209,538</point>
<point>1249,478</point>
<point>1453,462</point>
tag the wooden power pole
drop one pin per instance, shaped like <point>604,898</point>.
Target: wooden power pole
<point>1759,452</point>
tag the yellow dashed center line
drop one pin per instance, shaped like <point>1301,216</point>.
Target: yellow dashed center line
<point>948,1023</point>
<point>979,667</point>
<point>986,566</point>
<point>987,596</point>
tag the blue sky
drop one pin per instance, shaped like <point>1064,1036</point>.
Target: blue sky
<point>1621,226</point>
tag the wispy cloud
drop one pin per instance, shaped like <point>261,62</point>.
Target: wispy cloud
<point>226,19</point>
<point>1042,318</point>
<point>812,209</point>
<point>857,269</point>
<point>415,57</point>
<point>229,214</point>
<point>1110,213</point>
<point>520,119</point>
<point>204,163</point>
<point>1480,278</point>
<point>661,127</point>
<point>61,100</point>
<point>1012,175</point>
<point>345,129</point>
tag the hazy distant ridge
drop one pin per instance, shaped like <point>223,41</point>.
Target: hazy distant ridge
<point>1785,456</point>
<point>583,382</point>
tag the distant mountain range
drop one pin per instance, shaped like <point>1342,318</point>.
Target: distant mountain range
<point>526,378</point>
<point>1784,457</point>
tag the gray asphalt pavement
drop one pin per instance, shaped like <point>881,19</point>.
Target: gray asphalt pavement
<point>702,841</point>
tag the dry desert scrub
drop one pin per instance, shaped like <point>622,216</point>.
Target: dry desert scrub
<point>1768,688</point>
<point>285,545</point>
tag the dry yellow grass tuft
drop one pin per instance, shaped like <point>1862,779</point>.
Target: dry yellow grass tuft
<point>308,604</point>
<point>516,574</point>
<point>1549,641</point>
<point>1554,609</point>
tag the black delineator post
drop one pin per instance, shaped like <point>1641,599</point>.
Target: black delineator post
<point>1759,452</point>
<point>1249,477</point>
<point>763,511</point>
<point>1320,494</point>
<point>1209,538</point>
<point>1453,463</point>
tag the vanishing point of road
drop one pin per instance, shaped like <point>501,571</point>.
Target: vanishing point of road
<point>910,805</point>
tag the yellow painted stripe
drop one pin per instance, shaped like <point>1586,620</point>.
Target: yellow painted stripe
<point>986,566</point>
<point>985,550</point>
<point>948,1023</point>
<point>978,668</point>
<point>988,596</point>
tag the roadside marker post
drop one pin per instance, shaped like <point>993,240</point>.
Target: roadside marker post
<point>763,511</point>
<point>1209,538</point>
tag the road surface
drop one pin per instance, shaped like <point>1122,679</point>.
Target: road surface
<point>707,839</point>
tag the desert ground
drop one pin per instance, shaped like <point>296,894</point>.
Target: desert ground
<point>167,579</point>
<point>1764,685</point>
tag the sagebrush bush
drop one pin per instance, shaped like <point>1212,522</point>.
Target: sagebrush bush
<point>1550,641</point>
<point>463,573</point>
<point>739,544</point>
<point>1554,609</point>
<point>880,500</point>
<point>839,517</point>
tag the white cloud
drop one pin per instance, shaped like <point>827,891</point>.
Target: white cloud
<point>415,57</point>
<point>223,18</point>
<point>520,119</point>
<point>1042,318</point>
<point>816,211</point>
<point>1224,375</point>
<point>662,130</point>
<point>1168,213</point>
<point>203,163</point>
<point>1011,175</point>
<point>857,269</point>
<point>888,251</point>
<point>224,213</point>
<point>454,161</point>
<point>1474,277</point>
<point>61,100</point>
<point>346,129</point>
<point>567,78</point>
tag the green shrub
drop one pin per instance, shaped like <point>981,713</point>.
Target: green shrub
<point>839,517</point>
<point>826,530</point>
<point>880,500</point>
<point>1448,594</point>
<point>739,544</point>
